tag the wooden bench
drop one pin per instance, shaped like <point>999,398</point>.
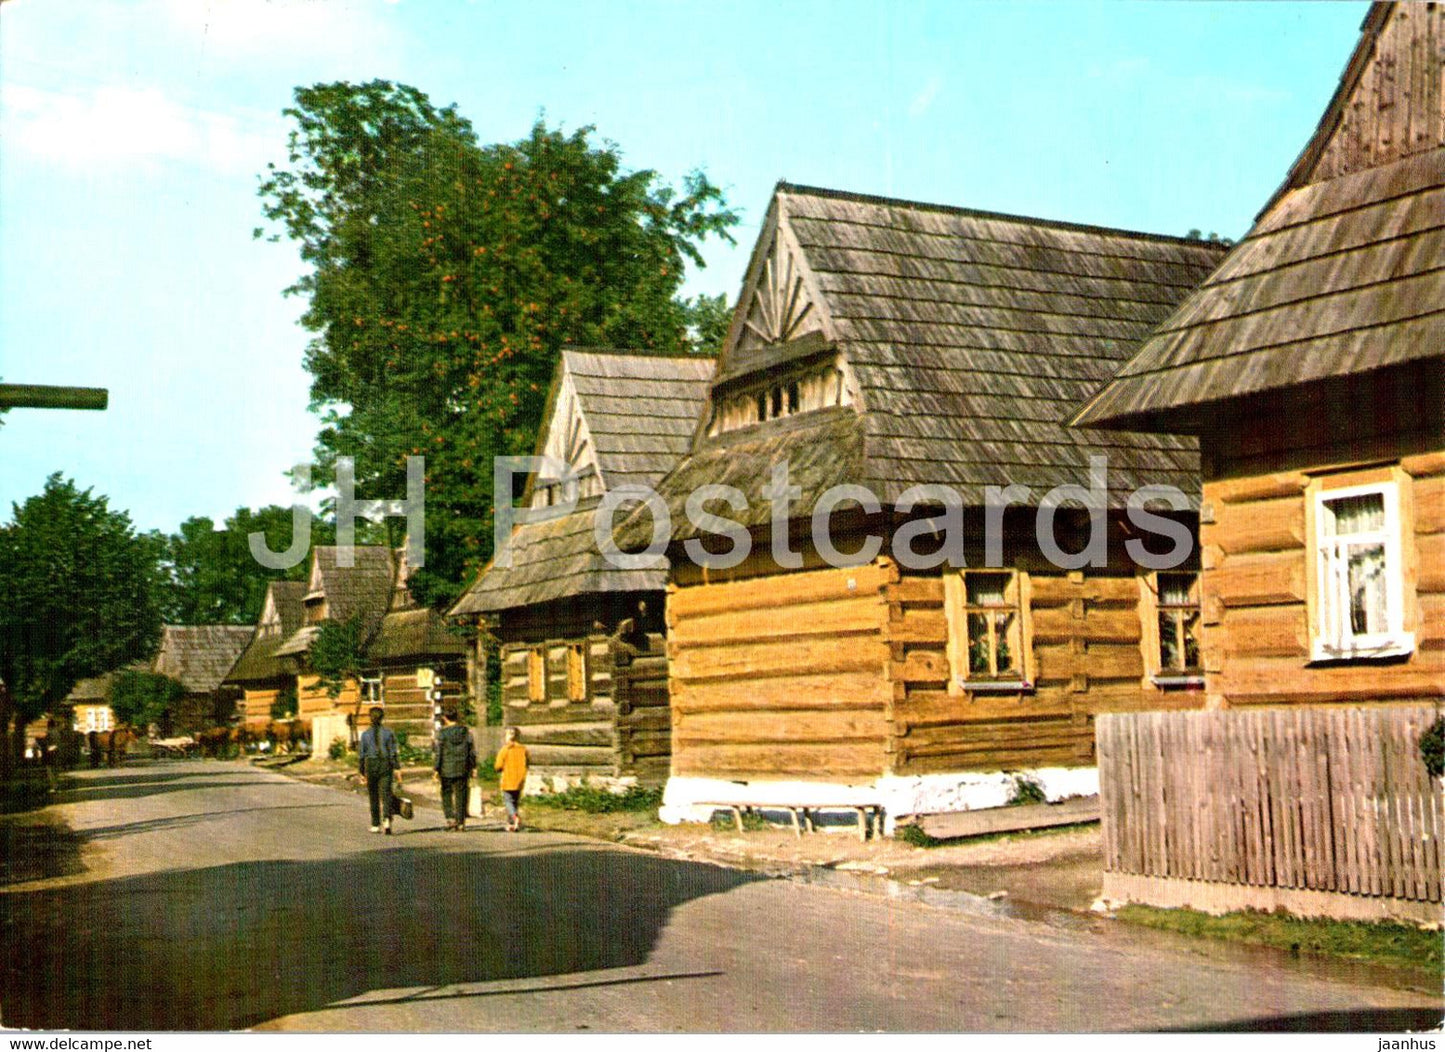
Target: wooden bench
<point>870,816</point>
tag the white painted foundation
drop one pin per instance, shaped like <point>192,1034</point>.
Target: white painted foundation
<point>686,799</point>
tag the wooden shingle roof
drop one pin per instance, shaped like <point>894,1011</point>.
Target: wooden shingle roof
<point>1344,271</point>
<point>970,336</point>
<point>199,656</point>
<point>631,416</point>
<point>281,616</point>
<point>362,590</point>
<point>641,410</point>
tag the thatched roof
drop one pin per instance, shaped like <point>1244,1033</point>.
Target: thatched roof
<point>281,616</point>
<point>629,416</point>
<point>199,656</point>
<point>1344,271</point>
<point>966,338</point>
<point>94,690</point>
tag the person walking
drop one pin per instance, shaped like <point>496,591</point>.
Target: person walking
<point>456,759</point>
<point>512,762</point>
<point>379,758</point>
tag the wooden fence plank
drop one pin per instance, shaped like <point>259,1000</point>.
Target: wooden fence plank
<point>1310,799</point>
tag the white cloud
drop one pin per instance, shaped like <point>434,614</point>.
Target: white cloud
<point>122,124</point>
<point>924,99</point>
<point>271,29</point>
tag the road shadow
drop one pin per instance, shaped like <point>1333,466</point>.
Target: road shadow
<point>1344,1021</point>
<point>232,946</point>
<point>37,850</point>
<point>134,783</point>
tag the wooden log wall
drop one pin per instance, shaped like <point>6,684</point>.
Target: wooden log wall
<point>1086,659</point>
<point>1326,799</point>
<point>644,715</point>
<point>781,676</point>
<point>256,705</point>
<point>1255,593</point>
<point>312,699</point>
<point>563,736</point>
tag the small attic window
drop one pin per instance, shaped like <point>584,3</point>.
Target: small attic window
<point>818,389</point>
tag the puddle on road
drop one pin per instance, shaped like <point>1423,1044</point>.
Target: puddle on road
<point>1123,936</point>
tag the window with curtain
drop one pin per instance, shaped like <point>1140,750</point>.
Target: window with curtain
<point>1359,580</point>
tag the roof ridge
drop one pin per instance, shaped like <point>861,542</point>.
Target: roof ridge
<point>979,213</point>
<point>623,352</point>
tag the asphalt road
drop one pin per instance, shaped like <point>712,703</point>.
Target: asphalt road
<point>215,896</point>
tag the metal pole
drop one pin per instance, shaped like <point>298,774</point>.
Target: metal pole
<point>43,396</point>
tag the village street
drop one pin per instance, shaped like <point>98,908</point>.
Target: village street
<point>217,896</point>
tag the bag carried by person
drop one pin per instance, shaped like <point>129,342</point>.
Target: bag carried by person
<point>400,805</point>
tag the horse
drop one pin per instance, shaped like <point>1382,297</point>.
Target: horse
<point>114,742</point>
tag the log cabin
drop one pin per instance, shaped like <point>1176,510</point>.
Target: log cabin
<point>259,675</point>
<point>887,345</point>
<point>407,650</point>
<point>198,657</point>
<point>582,657</point>
<point>1311,366</point>
<point>195,656</point>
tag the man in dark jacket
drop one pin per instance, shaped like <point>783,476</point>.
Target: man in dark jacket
<point>456,758</point>
<point>379,757</point>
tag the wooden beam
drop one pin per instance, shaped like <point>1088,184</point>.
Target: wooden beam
<point>42,396</point>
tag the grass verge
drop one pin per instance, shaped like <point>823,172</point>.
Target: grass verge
<point>1394,944</point>
<point>912,834</point>
<point>596,801</point>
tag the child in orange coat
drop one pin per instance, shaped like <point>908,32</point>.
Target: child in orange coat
<point>512,762</point>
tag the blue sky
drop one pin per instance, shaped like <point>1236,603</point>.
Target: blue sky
<point>132,133</point>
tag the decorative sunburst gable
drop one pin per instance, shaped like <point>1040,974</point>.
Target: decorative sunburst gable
<point>568,440</point>
<point>780,300</point>
<point>270,613</point>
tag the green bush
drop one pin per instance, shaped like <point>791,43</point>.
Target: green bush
<point>337,751</point>
<point>1027,790</point>
<point>915,835</point>
<point>595,801</point>
<point>753,822</point>
<point>1432,747</point>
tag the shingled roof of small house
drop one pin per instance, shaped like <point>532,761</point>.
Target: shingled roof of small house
<point>635,415</point>
<point>1344,270</point>
<point>362,590</point>
<point>640,409</point>
<point>969,335</point>
<point>199,656</point>
<point>280,618</point>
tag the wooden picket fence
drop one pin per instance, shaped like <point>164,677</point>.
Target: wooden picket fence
<point>1316,799</point>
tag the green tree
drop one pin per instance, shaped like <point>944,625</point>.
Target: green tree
<point>336,656</point>
<point>445,278</point>
<point>78,597</point>
<point>140,698</point>
<point>211,576</point>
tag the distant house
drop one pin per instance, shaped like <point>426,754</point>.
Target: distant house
<point>582,657</point>
<point>259,674</point>
<point>405,649</point>
<point>88,704</point>
<point>888,344</point>
<point>196,656</point>
<point>1311,364</point>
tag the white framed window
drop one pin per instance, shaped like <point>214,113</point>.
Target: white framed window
<point>988,637</point>
<point>371,691</point>
<point>1358,573</point>
<point>1170,610</point>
